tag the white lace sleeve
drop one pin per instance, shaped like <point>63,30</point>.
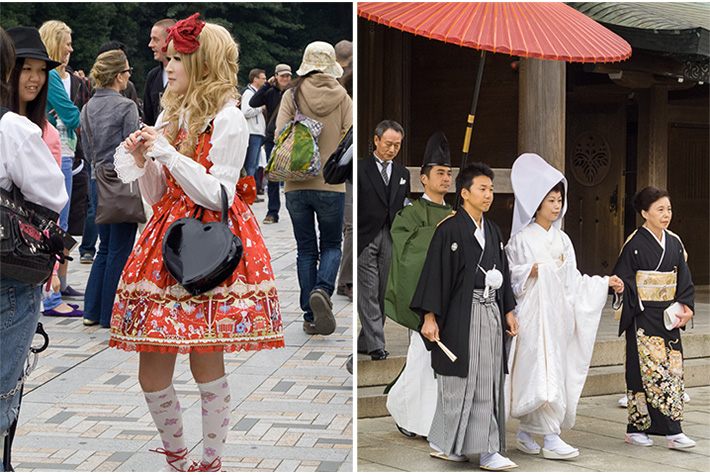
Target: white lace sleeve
<point>230,138</point>
<point>152,183</point>
<point>125,165</point>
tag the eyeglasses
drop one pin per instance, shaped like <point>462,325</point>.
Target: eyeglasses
<point>129,71</point>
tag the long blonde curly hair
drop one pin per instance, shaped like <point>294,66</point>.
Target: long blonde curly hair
<point>212,70</point>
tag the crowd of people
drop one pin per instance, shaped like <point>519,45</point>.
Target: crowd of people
<point>71,143</point>
<point>494,326</point>
<point>498,326</point>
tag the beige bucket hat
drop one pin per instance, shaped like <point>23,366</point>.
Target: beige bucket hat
<point>320,56</point>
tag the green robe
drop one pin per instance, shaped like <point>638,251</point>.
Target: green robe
<point>412,230</point>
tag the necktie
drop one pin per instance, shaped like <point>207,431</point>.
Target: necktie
<point>384,172</point>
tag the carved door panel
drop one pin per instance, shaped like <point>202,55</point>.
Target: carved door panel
<point>595,158</point>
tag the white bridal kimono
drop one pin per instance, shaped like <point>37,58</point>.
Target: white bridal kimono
<point>558,311</point>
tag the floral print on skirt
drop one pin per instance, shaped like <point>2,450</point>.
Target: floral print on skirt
<point>152,312</point>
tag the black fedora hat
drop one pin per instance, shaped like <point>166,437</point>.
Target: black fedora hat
<point>28,44</point>
<point>437,151</point>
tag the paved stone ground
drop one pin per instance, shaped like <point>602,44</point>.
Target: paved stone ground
<point>292,408</point>
<point>598,433</point>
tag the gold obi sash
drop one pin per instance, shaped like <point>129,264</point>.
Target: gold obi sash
<point>656,286</point>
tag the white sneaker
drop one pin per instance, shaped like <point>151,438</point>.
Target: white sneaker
<point>680,441</point>
<point>624,401</point>
<point>686,397</point>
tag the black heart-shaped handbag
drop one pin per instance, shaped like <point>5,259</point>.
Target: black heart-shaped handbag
<point>200,256</point>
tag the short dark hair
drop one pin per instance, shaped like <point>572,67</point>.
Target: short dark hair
<point>255,73</point>
<point>560,188</point>
<point>112,45</point>
<point>7,63</point>
<point>385,125</point>
<point>466,175</point>
<point>643,200</point>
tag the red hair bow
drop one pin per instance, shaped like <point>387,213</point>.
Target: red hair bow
<point>184,35</point>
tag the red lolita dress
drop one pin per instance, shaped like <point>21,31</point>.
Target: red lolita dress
<point>152,312</point>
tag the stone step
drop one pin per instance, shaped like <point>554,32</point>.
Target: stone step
<point>371,402</point>
<point>606,353</point>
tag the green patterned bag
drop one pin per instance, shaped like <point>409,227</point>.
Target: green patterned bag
<point>296,156</point>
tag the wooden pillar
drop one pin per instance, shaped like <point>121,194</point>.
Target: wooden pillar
<point>653,138</point>
<point>541,110</point>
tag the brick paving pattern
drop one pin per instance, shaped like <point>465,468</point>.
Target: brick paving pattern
<point>292,408</point>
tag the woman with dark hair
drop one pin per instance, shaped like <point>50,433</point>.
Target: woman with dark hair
<point>25,164</point>
<point>658,300</point>
<point>558,310</point>
<point>29,84</point>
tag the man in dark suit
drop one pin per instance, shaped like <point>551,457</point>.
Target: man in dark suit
<point>383,187</point>
<point>157,77</point>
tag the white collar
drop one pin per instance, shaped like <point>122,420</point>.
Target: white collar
<point>443,202</point>
<point>662,242</point>
<point>380,161</point>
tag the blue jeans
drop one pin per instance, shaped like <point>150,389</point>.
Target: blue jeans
<point>55,299</point>
<point>19,314</point>
<point>251,164</point>
<point>115,247</point>
<point>273,188</point>
<point>317,260</point>
<point>91,232</point>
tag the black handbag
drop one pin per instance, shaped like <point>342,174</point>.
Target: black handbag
<point>117,202</point>
<point>30,240</point>
<point>339,167</point>
<point>200,256</point>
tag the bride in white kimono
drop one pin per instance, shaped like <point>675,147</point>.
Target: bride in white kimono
<point>558,310</point>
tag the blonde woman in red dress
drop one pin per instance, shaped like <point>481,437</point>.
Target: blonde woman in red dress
<point>180,168</point>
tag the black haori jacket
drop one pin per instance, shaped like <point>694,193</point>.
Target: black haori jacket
<point>446,286</point>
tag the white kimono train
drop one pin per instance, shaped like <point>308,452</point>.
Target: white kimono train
<point>558,312</point>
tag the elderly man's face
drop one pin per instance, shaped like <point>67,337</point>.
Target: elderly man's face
<point>387,147</point>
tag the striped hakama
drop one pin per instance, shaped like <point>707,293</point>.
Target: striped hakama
<point>470,415</point>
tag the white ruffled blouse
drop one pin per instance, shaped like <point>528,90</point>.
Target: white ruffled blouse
<point>230,138</point>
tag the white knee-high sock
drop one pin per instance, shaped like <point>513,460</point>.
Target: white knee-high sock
<point>165,409</point>
<point>216,409</point>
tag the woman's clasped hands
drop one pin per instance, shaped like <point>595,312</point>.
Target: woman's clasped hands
<point>140,142</point>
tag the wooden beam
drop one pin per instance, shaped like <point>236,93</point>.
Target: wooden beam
<point>653,138</point>
<point>501,183</point>
<point>541,116</point>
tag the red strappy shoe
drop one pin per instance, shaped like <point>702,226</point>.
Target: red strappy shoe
<point>173,458</point>
<point>214,466</point>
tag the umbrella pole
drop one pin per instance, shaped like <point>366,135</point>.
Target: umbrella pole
<point>472,116</point>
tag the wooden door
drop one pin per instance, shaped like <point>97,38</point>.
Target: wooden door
<point>688,171</point>
<point>595,158</point>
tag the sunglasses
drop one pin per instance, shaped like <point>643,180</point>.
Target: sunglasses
<point>129,71</point>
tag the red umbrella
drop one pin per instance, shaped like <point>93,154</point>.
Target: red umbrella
<point>540,30</point>
<point>533,30</point>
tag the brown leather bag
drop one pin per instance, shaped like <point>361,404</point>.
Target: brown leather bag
<point>117,202</point>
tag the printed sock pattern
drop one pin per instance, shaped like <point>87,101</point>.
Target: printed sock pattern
<point>165,409</point>
<point>215,418</point>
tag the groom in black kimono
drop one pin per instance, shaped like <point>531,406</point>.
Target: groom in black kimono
<point>465,301</point>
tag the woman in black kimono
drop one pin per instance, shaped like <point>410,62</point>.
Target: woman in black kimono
<point>653,267</point>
